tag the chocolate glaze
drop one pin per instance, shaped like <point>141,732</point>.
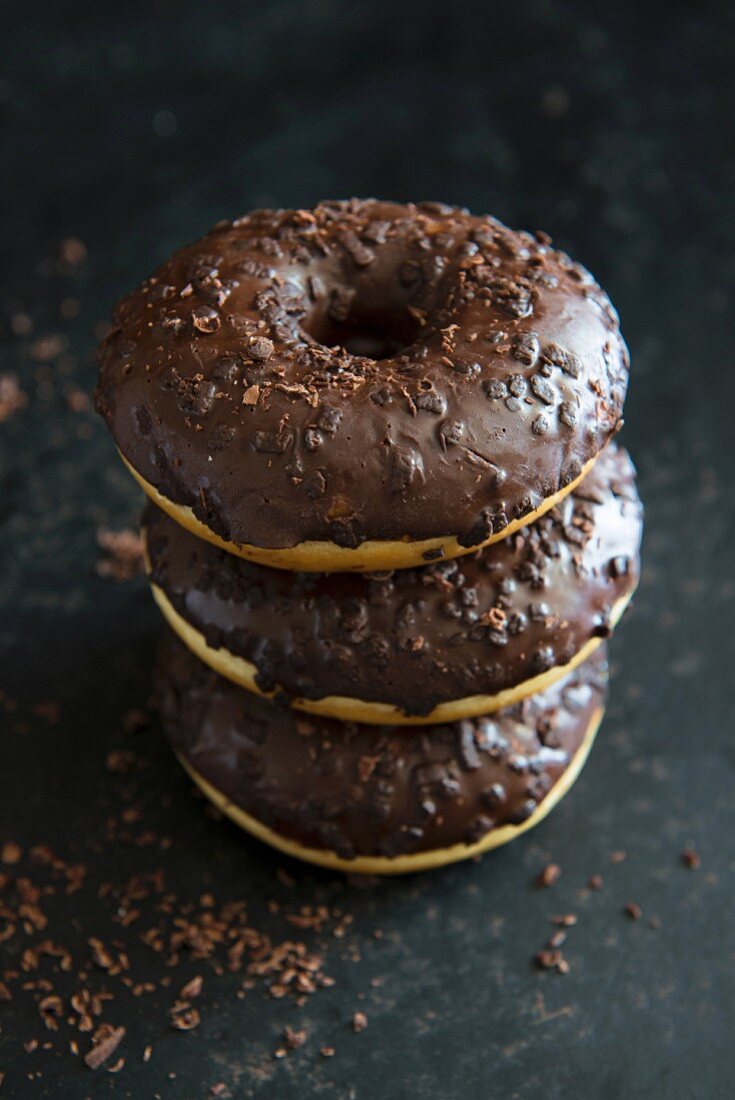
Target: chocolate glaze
<point>484,370</point>
<point>366,790</point>
<point>415,638</point>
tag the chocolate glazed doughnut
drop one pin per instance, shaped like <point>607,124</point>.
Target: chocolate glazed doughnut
<point>363,385</point>
<point>433,644</point>
<point>379,802</point>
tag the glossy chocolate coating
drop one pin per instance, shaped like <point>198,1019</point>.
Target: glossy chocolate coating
<point>366,790</point>
<point>415,638</point>
<point>498,372</point>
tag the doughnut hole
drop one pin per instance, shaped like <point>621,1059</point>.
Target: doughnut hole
<point>366,320</point>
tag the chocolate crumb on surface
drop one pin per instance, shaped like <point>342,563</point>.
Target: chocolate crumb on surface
<point>105,1042</point>
<point>691,859</point>
<point>185,1017</point>
<point>294,1037</point>
<point>548,875</point>
<point>192,988</point>
<point>79,990</point>
<point>551,959</point>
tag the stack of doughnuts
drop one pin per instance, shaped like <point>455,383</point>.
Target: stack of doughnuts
<point>388,523</point>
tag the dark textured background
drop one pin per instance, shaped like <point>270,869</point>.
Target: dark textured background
<point>133,127</point>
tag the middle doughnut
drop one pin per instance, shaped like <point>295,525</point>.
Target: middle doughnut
<point>434,644</point>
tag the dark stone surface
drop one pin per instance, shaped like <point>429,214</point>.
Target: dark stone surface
<point>611,128</point>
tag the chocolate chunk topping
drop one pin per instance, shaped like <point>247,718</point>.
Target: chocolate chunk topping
<point>206,320</point>
<point>261,348</point>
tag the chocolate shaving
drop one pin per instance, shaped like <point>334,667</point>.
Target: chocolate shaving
<point>104,1047</point>
<point>548,875</point>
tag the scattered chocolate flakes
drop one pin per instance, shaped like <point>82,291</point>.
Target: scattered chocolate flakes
<point>691,859</point>
<point>106,1041</point>
<point>101,956</point>
<point>192,989</point>
<point>217,934</point>
<point>617,857</point>
<point>551,959</point>
<point>51,1009</point>
<point>633,910</point>
<point>12,398</point>
<point>359,1022</point>
<point>327,1052</point>
<point>185,1018</point>
<point>549,875</point>
<point>125,550</point>
<point>294,1037</point>
<point>595,882</point>
<point>564,920</point>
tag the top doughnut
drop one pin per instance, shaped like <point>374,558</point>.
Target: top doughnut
<point>364,385</point>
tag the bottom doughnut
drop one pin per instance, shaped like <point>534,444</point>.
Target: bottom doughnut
<point>369,800</point>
